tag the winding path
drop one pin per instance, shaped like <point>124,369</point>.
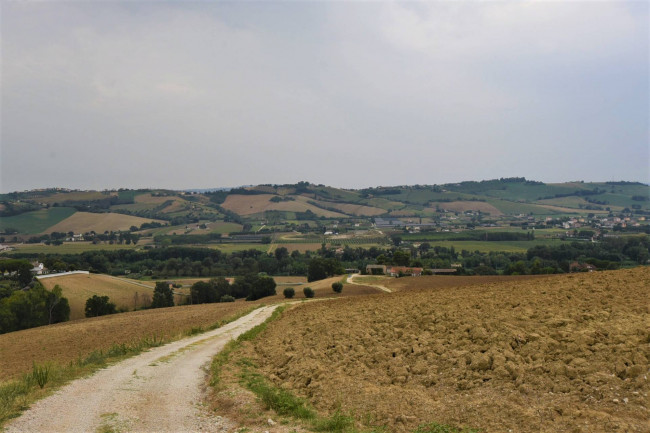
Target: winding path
<point>158,390</point>
<point>377,286</point>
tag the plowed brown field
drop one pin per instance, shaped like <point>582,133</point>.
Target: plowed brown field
<point>252,204</point>
<point>564,353</point>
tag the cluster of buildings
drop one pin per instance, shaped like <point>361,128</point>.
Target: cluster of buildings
<point>396,271</point>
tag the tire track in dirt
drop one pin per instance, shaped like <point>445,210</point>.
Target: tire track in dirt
<point>158,390</point>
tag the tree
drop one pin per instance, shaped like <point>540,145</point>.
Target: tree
<point>289,293</point>
<point>337,287</point>
<point>309,293</point>
<point>99,306</point>
<point>204,292</point>
<point>163,296</point>
<point>401,258</point>
<point>281,253</point>
<point>320,268</point>
<point>56,295</point>
<point>262,287</point>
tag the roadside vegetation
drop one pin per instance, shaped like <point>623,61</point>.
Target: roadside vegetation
<point>58,368</point>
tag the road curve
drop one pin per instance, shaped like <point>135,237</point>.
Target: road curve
<point>376,286</point>
<point>158,390</point>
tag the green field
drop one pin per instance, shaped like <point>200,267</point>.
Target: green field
<point>37,221</point>
<point>485,247</point>
<point>512,208</point>
<point>229,248</point>
<point>69,248</point>
<point>223,227</point>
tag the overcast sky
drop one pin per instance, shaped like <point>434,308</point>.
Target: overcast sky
<point>178,95</point>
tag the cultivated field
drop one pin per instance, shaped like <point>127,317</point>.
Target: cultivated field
<point>74,247</point>
<point>82,222</point>
<point>353,209</point>
<point>561,353</point>
<point>74,196</point>
<point>462,206</point>
<point>78,288</point>
<point>37,221</point>
<point>66,342</point>
<point>253,204</point>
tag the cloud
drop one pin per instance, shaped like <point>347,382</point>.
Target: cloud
<point>353,94</point>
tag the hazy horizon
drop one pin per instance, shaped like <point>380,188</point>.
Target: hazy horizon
<point>189,95</point>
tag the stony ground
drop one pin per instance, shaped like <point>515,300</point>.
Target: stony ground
<point>565,353</point>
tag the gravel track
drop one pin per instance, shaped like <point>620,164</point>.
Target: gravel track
<point>158,390</point>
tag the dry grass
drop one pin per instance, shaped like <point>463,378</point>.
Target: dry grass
<point>462,206</point>
<point>82,222</point>
<point>75,196</point>
<point>78,288</point>
<point>66,342</point>
<point>569,209</point>
<point>353,209</point>
<point>148,198</point>
<point>433,282</point>
<point>253,204</point>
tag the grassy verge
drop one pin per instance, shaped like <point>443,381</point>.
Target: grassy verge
<point>286,404</point>
<point>17,395</point>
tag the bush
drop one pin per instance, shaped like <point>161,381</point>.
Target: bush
<point>337,287</point>
<point>99,306</point>
<point>309,293</point>
<point>289,293</point>
<point>227,298</point>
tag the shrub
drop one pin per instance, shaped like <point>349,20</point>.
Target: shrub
<point>227,298</point>
<point>337,287</point>
<point>289,293</point>
<point>99,306</point>
<point>309,293</point>
<point>40,374</point>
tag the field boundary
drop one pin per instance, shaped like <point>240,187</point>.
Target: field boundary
<point>62,274</point>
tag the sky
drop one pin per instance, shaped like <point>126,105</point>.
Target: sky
<point>179,95</point>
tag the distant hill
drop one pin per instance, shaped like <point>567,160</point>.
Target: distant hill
<point>44,211</point>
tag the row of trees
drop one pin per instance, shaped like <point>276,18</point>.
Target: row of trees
<point>249,286</point>
<point>160,263</point>
<point>32,306</point>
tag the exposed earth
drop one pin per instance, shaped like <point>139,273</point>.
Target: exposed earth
<point>563,353</point>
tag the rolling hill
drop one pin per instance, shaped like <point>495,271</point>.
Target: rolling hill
<point>277,207</point>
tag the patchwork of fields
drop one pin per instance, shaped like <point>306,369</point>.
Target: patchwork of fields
<point>82,222</point>
<point>255,204</point>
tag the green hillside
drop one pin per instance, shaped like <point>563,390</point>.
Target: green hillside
<point>37,221</point>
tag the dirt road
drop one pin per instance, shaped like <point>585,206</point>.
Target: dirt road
<point>377,286</point>
<point>158,390</point>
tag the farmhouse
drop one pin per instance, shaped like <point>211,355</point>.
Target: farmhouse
<point>581,267</point>
<point>38,268</point>
<point>444,271</point>
<point>395,271</point>
<point>375,269</point>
